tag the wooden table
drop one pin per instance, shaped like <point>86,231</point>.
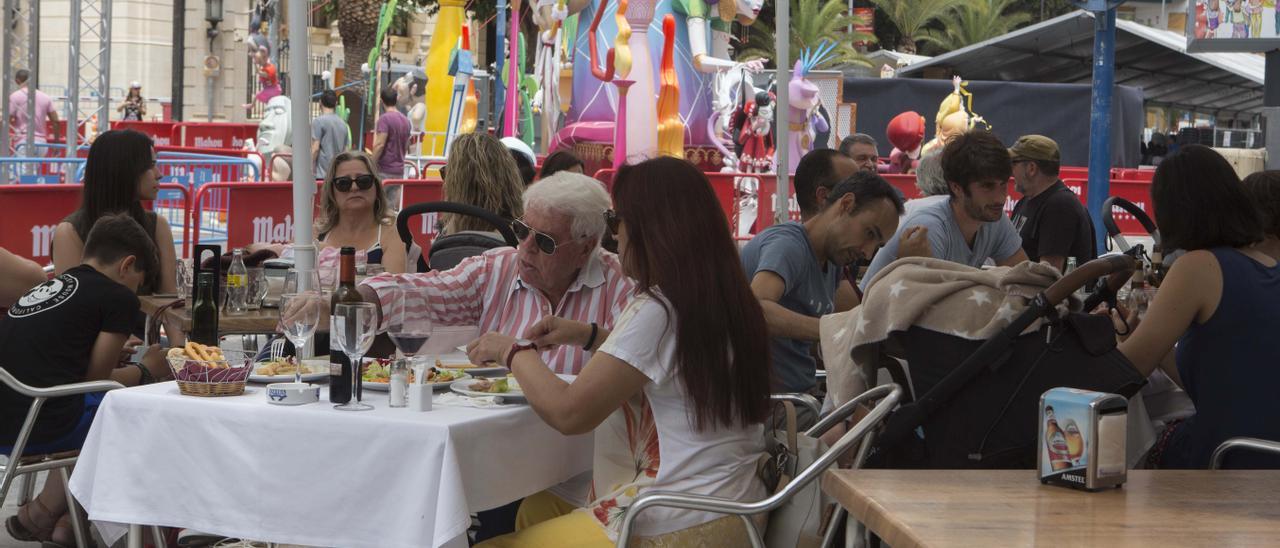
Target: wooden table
<point>255,321</point>
<point>1157,508</point>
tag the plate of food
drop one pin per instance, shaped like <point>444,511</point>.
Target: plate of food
<point>377,376</point>
<point>506,388</point>
<point>461,362</point>
<point>282,370</point>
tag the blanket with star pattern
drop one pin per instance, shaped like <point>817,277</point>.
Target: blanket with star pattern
<point>934,294</point>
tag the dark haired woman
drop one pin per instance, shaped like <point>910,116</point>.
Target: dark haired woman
<point>562,160</point>
<point>1264,189</point>
<point>1221,304</point>
<point>119,175</point>
<point>677,394</point>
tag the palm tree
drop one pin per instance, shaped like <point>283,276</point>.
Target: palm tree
<point>812,22</point>
<point>977,21</point>
<point>912,16</point>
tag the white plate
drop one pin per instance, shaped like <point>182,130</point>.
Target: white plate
<point>460,361</point>
<point>320,368</point>
<point>386,387</point>
<point>464,387</point>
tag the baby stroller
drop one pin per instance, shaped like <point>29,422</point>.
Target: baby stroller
<point>982,412</point>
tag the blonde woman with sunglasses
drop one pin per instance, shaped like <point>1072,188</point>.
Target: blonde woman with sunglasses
<point>354,213</point>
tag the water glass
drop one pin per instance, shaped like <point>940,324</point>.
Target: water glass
<point>258,287</point>
<point>299,315</point>
<point>353,329</point>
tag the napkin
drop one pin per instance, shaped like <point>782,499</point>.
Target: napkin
<point>451,399</point>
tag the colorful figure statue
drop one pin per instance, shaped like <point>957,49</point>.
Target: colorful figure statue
<point>268,78</point>
<point>806,122</point>
<point>1239,23</point>
<point>955,116</point>
<point>616,70</point>
<point>906,134</point>
<point>1213,13</point>
<point>753,126</point>
<point>549,16</point>
<point>410,90</point>
<point>274,136</point>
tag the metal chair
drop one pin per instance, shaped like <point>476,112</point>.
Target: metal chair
<point>26,466</point>
<point>888,395</point>
<point>1254,444</point>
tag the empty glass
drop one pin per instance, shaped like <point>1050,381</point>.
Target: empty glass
<point>296,281</point>
<point>353,328</point>
<point>257,288</point>
<point>299,315</point>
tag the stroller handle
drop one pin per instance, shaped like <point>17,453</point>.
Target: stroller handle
<point>1118,267</point>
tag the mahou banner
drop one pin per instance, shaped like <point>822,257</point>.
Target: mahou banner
<point>418,191</point>
<point>30,215</point>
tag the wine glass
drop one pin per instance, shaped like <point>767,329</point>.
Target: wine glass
<point>409,320</point>
<point>300,280</point>
<point>354,326</point>
<point>299,315</point>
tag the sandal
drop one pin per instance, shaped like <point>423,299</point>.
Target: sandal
<point>63,525</point>
<point>36,532</point>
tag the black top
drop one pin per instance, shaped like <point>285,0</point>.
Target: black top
<point>1055,223</point>
<point>47,339</point>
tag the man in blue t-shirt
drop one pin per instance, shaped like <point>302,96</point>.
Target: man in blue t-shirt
<point>968,226</point>
<point>796,269</point>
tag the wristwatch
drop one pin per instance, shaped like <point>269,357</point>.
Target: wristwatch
<point>519,345</point>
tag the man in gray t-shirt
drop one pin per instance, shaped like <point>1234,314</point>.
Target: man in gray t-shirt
<point>329,135</point>
<point>969,226</point>
<point>796,270</point>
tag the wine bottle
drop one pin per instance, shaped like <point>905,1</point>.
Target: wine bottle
<point>204,313</point>
<point>340,369</point>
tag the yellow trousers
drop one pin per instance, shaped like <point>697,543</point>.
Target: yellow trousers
<point>547,520</point>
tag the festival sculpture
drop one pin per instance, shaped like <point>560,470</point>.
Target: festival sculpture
<point>550,17</point>
<point>955,116</point>
<point>616,70</point>
<point>449,21</point>
<point>806,121</point>
<point>460,68</point>
<point>670,126</point>
<point>906,134</point>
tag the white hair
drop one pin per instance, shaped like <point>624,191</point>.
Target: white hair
<point>578,196</point>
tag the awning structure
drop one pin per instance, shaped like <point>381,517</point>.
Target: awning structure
<point>1060,50</point>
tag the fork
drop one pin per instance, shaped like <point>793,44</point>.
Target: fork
<point>277,352</point>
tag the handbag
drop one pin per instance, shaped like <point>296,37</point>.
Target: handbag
<point>799,521</point>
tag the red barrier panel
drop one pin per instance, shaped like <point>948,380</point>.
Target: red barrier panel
<point>723,184</point>
<point>416,191</point>
<point>160,132</point>
<point>212,134</point>
<point>255,212</point>
<point>32,212</point>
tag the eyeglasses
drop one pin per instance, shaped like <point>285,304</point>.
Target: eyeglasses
<point>363,182</point>
<point>545,243</point>
<point>611,221</point>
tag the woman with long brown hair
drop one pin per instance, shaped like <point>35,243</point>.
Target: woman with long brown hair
<point>677,394</point>
<point>354,213</point>
<point>480,172</point>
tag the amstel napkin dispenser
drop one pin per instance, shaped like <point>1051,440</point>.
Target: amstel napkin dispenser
<point>1082,438</point>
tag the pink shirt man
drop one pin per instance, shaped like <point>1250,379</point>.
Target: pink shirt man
<point>486,290</point>
<point>18,115</point>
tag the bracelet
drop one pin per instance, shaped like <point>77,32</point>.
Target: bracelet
<point>147,377</point>
<point>595,330</point>
<point>512,354</point>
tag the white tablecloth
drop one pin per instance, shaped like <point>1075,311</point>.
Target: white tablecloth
<point>241,467</point>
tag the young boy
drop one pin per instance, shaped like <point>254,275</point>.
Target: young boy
<point>72,329</point>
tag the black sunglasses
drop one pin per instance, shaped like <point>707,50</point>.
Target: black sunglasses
<point>545,243</point>
<point>363,182</point>
<point>611,221</point>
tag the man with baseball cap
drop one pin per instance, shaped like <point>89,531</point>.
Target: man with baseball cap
<point>1054,225</point>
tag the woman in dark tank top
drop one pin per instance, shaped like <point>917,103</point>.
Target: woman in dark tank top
<point>120,173</point>
<point>1220,304</point>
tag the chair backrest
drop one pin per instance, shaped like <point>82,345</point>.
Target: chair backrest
<point>888,396</point>
<point>449,250</point>
<point>500,224</point>
<point>1253,444</point>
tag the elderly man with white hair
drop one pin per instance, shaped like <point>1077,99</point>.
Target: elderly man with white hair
<point>558,270</point>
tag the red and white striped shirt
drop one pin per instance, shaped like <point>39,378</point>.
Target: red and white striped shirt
<point>486,290</point>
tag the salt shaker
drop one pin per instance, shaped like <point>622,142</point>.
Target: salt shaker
<point>400,383</point>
